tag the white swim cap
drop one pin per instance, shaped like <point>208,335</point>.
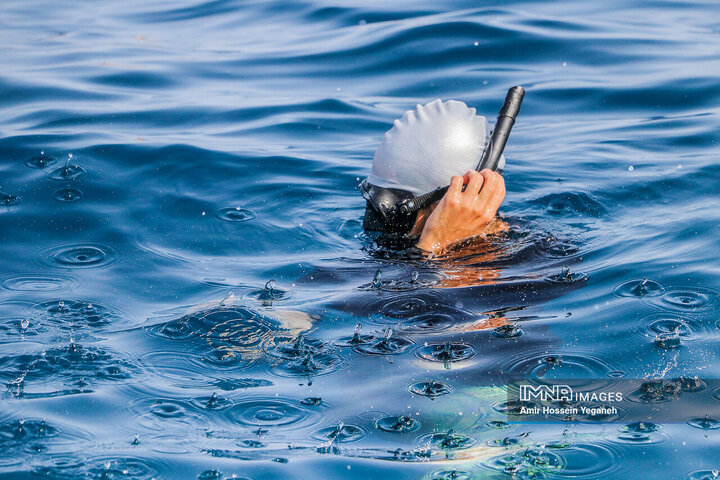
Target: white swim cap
<point>429,145</point>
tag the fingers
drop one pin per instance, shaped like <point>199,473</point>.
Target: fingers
<point>492,193</point>
<point>474,183</point>
<point>455,189</point>
<point>497,198</point>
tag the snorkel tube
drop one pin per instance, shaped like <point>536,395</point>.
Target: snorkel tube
<point>503,126</point>
<point>490,158</point>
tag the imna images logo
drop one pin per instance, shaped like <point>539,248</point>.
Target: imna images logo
<point>546,393</point>
<point>564,393</point>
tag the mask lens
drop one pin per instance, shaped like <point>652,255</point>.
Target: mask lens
<point>380,214</point>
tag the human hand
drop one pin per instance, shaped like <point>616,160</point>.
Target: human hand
<point>463,214</point>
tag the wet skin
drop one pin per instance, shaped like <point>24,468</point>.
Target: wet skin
<point>460,215</point>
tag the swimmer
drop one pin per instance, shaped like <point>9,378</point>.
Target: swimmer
<point>407,193</point>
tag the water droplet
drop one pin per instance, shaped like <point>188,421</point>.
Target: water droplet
<point>387,345</point>
<point>451,474</point>
<point>340,433</point>
<point>66,173</point>
<point>498,424</point>
<point>40,161</point>
<point>211,474</point>
<point>566,276</point>
<point>705,423</point>
<point>8,200</point>
<point>509,330</point>
<point>429,389</point>
<point>83,255</point>
<point>235,214</point>
<point>356,339</point>
<point>448,441</point>
<point>668,340</point>
<point>165,409</point>
<point>447,352</point>
<point>639,288</point>
<point>397,424</point>
<point>377,280</point>
<point>67,194</point>
<point>640,427</point>
<point>311,401</point>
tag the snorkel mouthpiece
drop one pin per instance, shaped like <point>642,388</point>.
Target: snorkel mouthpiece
<point>393,211</point>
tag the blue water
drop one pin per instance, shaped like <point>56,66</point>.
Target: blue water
<point>183,258</point>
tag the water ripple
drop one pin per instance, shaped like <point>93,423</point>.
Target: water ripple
<point>81,255</point>
<point>37,283</point>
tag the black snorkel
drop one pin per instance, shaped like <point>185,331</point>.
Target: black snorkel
<point>394,211</point>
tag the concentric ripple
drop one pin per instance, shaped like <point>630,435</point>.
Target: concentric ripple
<point>235,214</point>
<point>704,475</point>
<point>68,195</point>
<point>643,287</point>
<point>640,427</point>
<point>690,299</point>
<point>269,294</point>
<point>183,370</point>
<point>37,283</point>
<point>40,161</point>
<point>666,324</point>
<point>533,462</point>
<point>566,276</point>
<point>397,424</point>
<point>429,389</point>
<point>447,352</point>
<point>355,339</point>
<point>385,345</point>
<point>450,475</point>
<point>85,255</point>
<point>32,436</point>
<point>273,413</point>
<point>110,468</point>
<point>310,365</point>
<point>73,314</point>
<point>404,307</point>
<point>704,423</point>
<point>588,461</point>
<point>435,322</point>
<point>171,422</point>
<point>75,366</point>
<point>67,173</point>
<point>546,368</point>
<point>447,441</point>
<point>9,200</point>
<point>340,433</point>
